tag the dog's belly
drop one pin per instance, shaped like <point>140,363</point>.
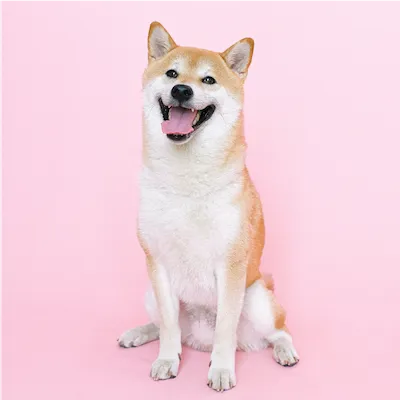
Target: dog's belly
<point>190,253</point>
<point>190,238</point>
<point>194,282</point>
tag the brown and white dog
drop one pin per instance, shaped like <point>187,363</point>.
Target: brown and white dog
<point>200,218</point>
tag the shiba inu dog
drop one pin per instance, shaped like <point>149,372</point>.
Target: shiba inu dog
<point>200,218</point>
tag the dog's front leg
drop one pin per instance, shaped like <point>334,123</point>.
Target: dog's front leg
<point>167,364</point>
<point>231,288</point>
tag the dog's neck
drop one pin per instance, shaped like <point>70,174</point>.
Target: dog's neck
<point>204,165</point>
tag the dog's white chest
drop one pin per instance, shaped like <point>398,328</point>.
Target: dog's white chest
<point>190,237</point>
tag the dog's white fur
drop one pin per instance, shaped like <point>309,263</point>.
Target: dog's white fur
<point>188,219</point>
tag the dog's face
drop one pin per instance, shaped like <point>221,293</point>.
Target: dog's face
<point>189,91</point>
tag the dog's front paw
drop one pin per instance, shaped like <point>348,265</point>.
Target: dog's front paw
<point>164,369</point>
<point>221,379</point>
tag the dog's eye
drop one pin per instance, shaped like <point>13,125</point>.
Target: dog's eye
<point>171,73</point>
<point>209,80</point>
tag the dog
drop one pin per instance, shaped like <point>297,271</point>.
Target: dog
<point>200,220</point>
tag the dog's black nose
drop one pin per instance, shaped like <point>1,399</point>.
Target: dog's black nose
<point>182,93</point>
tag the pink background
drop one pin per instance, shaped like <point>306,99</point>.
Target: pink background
<point>323,127</point>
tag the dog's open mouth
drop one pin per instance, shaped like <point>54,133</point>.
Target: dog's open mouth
<point>179,122</point>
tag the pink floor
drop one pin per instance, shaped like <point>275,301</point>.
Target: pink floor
<point>323,128</point>
<point>55,350</point>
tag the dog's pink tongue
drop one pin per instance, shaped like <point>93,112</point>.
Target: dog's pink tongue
<point>180,121</point>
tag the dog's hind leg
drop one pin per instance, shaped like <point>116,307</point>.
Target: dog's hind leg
<point>283,351</point>
<point>145,333</point>
<point>263,323</point>
<point>140,335</point>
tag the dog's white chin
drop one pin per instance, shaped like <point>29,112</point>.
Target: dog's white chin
<point>183,142</point>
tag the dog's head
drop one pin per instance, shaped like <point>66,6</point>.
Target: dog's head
<point>189,91</point>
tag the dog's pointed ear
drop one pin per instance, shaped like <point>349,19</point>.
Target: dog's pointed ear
<point>238,57</point>
<point>159,42</point>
